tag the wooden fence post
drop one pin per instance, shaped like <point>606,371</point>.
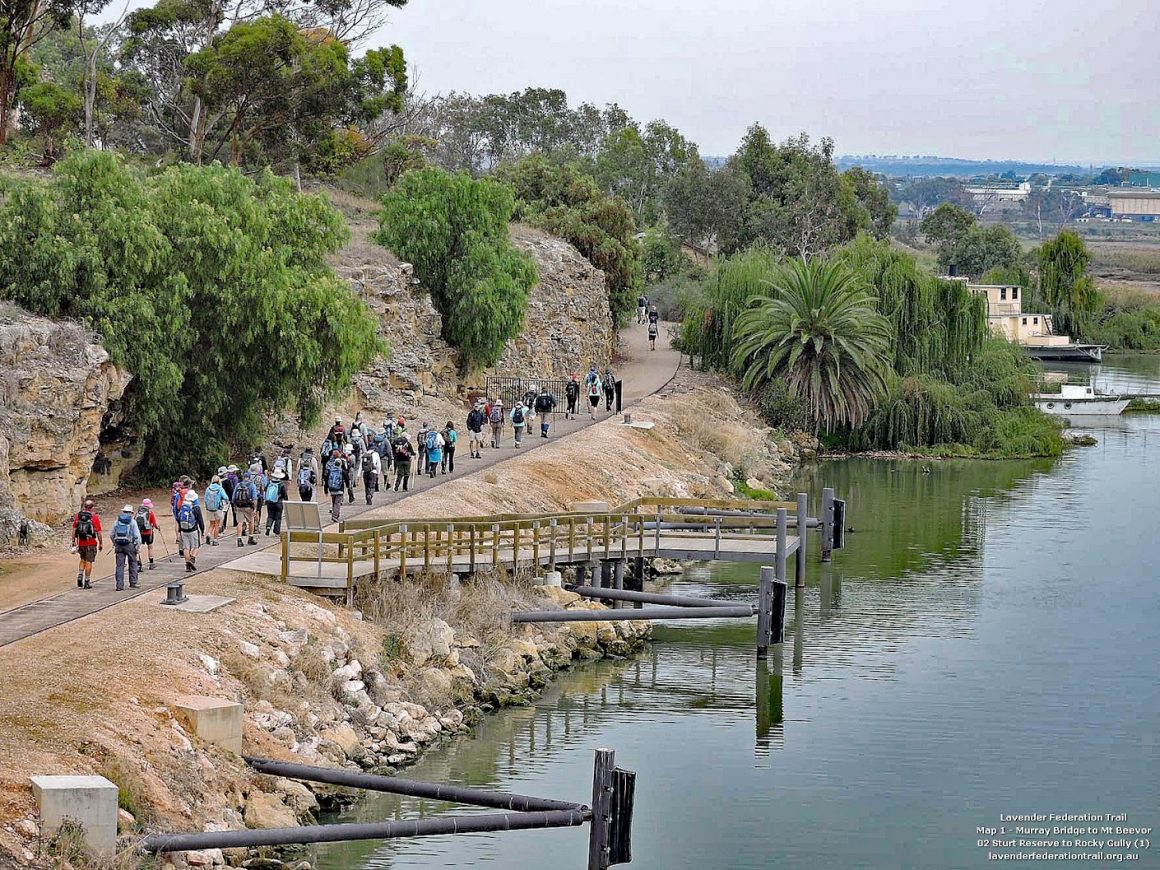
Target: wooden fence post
<point>402,552</point>
<point>450,549</point>
<point>599,834</point>
<point>552,545</point>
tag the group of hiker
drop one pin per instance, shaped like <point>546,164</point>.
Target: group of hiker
<point>384,457</point>
<point>646,312</point>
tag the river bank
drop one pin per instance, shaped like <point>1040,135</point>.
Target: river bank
<point>326,685</point>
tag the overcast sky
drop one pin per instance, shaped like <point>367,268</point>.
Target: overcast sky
<point>1062,80</point>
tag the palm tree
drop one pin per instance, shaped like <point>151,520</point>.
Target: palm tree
<point>819,329</point>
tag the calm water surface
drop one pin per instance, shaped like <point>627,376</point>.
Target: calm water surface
<point>988,643</point>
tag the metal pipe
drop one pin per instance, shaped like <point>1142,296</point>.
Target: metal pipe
<point>744,610</point>
<point>648,597</point>
<point>415,788</point>
<point>365,831</point>
<point>811,522</point>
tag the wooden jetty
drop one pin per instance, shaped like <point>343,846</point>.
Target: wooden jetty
<point>598,544</point>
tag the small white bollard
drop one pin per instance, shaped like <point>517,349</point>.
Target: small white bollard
<point>90,801</point>
<point>553,578</point>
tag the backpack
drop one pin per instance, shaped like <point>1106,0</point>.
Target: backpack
<point>280,463</point>
<point>272,491</point>
<point>368,463</point>
<point>518,417</point>
<point>305,475</point>
<point>402,449</point>
<point>544,403</point>
<point>143,519</point>
<point>213,499</point>
<point>497,415</point>
<point>327,447</point>
<point>652,330</point>
<point>451,436</point>
<point>432,440</point>
<point>594,388</point>
<point>121,530</point>
<point>334,477</point>
<point>244,494</point>
<point>85,528</point>
<point>186,521</point>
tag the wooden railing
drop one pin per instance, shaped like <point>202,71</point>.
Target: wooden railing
<point>568,537</point>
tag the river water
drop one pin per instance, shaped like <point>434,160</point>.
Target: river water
<point>988,643</point>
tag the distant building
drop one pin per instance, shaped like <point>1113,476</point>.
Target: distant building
<point>1000,192</point>
<point>1143,205</point>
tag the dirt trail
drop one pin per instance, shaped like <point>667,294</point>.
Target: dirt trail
<point>38,592</point>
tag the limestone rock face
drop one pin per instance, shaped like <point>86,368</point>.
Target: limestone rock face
<point>56,388</point>
<point>268,811</point>
<point>568,325</point>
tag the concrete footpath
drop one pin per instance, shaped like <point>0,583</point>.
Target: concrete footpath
<point>643,372</point>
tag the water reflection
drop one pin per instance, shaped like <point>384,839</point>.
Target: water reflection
<point>930,679</point>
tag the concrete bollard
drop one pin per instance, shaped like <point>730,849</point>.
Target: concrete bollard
<point>553,578</point>
<point>90,801</point>
<point>214,720</point>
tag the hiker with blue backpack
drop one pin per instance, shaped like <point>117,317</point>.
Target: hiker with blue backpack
<point>434,443</point>
<point>335,477</point>
<point>126,538</point>
<point>190,524</point>
<point>215,501</point>
<point>245,503</point>
<point>275,497</point>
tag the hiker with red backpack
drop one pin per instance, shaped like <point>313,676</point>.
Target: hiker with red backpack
<point>147,524</point>
<point>86,537</point>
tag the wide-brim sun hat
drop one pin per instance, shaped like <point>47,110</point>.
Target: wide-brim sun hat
<point>148,502</point>
<point>222,470</point>
<point>128,509</point>
<point>233,469</point>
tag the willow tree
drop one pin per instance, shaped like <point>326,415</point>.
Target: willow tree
<point>819,329</point>
<point>1064,283</point>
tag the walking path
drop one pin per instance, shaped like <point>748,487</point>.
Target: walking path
<point>643,372</point>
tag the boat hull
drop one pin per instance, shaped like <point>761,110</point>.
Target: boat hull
<point>1072,352</point>
<point>1060,407</point>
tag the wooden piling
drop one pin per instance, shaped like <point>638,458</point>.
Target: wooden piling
<point>600,829</point>
<point>777,618</point>
<point>799,559</point>
<point>827,524</point>
<point>552,545</point>
<point>764,610</point>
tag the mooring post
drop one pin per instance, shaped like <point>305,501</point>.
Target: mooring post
<point>827,523</point>
<point>777,618</point>
<point>781,556</point>
<point>581,574</point>
<point>764,610</point>
<point>799,559</point>
<point>600,832</point>
<point>618,581</point>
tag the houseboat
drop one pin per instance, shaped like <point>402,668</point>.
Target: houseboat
<point>1033,332</point>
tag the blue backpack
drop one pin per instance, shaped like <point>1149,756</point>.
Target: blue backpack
<point>272,489</point>
<point>432,440</point>
<point>213,498</point>
<point>186,521</point>
<point>121,533</point>
<point>334,479</point>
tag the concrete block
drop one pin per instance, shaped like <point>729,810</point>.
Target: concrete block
<point>590,507</point>
<point>91,801</point>
<point>214,720</point>
<point>553,578</point>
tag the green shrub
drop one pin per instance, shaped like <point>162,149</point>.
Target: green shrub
<point>454,229</point>
<point>212,289</point>
<point>560,199</point>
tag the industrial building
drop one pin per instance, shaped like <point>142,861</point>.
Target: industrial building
<point>1134,203</point>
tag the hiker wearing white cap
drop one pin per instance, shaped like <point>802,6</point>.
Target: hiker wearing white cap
<point>274,498</point>
<point>496,421</point>
<point>215,501</point>
<point>126,545</point>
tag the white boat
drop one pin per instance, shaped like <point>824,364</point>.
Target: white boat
<point>1076,401</point>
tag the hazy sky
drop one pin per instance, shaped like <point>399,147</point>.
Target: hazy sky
<point>1065,80</point>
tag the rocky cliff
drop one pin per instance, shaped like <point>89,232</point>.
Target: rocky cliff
<point>56,387</point>
<point>568,323</point>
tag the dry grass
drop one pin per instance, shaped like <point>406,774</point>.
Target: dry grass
<point>66,848</point>
<point>1142,260</point>
<point>707,427</point>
